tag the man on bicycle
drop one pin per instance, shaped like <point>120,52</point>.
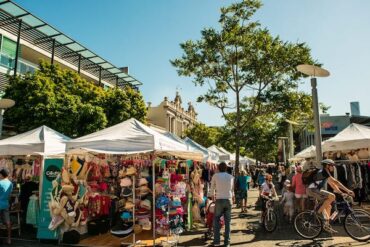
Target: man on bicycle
<point>317,191</point>
<point>267,190</point>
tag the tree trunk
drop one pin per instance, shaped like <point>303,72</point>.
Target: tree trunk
<point>237,133</point>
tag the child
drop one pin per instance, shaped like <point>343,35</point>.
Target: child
<point>288,198</point>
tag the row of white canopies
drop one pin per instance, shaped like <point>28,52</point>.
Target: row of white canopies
<point>128,137</point>
<point>354,137</point>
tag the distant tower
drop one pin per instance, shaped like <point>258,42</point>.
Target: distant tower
<point>355,108</point>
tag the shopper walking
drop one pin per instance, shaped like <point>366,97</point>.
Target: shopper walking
<point>243,181</point>
<point>222,189</point>
<point>6,188</point>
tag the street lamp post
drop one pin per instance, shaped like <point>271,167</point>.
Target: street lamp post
<point>284,153</point>
<point>4,104</point>
<point>314,72</point>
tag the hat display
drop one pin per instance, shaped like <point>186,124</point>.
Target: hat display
<point>129,205</point>
<point>122,172</point>
<point>176,202</point>
<point>122,229</point>
<point>146,204</point>
<point>131,171</point>
<point>126,182</point>
<point>67,188</point>
<point>126,215</point>
<point>138,229</point>
<point>145,173</point>
<point>143,181</point>
<point>144,190</point>
<point>126,192</point>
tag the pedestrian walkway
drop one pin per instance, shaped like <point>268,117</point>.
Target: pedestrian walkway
<point>246,231</point>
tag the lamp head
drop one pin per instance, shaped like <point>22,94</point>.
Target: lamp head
<point>312,70</point>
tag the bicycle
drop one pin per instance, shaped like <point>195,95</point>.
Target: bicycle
<point>356,222</point>
<point>269,217</point>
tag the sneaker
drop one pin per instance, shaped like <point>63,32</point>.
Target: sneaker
<point>329,229</point>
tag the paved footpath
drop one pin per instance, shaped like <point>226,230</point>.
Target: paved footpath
<point>246,231</point>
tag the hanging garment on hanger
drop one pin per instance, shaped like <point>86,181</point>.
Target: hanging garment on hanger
<point>32,216</point>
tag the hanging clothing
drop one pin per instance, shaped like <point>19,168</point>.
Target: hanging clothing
<point>32,217</point>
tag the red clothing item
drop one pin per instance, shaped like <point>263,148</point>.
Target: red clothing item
<point>297,183</point>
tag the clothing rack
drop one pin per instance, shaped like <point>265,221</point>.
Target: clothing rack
<point>351,161</point>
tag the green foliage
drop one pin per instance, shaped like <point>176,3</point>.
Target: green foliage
<point>124,104</point>
<point>204,135</point>
<point>64,101</point>
<point>245,68</point>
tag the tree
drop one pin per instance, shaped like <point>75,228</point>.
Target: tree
<point>204,135</point>
<point>243,65</point>
<point>64,101</point>
<point>124,104</point>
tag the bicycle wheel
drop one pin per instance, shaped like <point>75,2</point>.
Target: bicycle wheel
<point>308,225</point>
<point>270,221</point>
<point>357,225</point>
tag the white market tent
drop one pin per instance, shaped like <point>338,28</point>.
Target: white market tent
<point>207,154</point>
<point>130,137</point>
<point>221,154</point>
<point>355,136</point>
<point>41,141</point>
<point>306,153</point>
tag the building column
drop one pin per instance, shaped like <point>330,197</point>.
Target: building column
<point>18,47</point>
<point>173,125</point>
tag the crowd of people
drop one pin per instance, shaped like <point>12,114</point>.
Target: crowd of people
<point>293,186</point>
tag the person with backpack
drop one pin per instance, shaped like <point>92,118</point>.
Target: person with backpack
<point>316,181</point>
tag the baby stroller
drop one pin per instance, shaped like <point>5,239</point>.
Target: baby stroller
<point>210,212</point>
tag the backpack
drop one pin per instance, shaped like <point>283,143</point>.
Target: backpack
<point>308,176</point>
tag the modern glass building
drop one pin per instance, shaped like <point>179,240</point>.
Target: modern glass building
<point>25,40</point>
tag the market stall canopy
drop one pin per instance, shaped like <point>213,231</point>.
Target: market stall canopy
<point>130,137</point>
<point>41,141</point>
<point>207,154</point>
<point>221,154</point>
<point>309,152</point>
<point>355,136</point>
<point>243,159</point>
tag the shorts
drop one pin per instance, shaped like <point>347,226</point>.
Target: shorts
<point>298,196</point>
<point>320,195</point>
<point>243,194</point>
<point>4,216</point>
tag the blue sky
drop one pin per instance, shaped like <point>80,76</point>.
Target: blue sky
<point>145,35</point>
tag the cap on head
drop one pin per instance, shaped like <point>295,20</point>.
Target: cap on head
<point>327,162</point>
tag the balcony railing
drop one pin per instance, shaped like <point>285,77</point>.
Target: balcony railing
<point>23,65</point>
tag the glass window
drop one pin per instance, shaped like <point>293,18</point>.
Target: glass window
<point>31,20</point>
<point>12,9</point>
<point>8,47</point>
<point>96,60</point>
<point>47,30</point>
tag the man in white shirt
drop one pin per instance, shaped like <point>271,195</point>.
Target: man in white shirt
<point>222,189</point>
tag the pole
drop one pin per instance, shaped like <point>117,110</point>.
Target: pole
<point>315,102</point>
<point>17,48</point>
<point>284,155</point>
<point>1,121</point>
<point>52,51</point>
<point>291,141</point>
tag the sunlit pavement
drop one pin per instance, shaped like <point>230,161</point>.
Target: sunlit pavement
<point>246,231</point>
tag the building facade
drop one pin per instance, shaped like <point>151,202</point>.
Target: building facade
<point>330,126</point>
<point>26,39</point>
<point>171,116</point>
